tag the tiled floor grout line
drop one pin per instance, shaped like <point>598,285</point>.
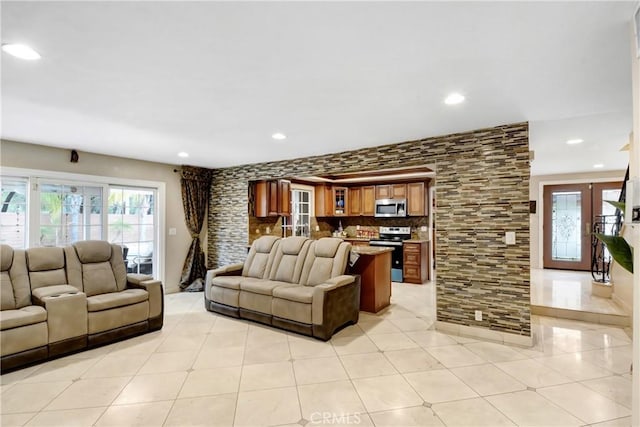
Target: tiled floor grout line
<point>295,381</point>
<point>173,401</point>
<point>244,354</point>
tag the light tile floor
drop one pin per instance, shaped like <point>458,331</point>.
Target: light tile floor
<point>568,290</point>
<point>392,369</point>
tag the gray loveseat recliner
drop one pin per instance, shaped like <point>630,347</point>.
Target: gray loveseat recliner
<point>59,300</point>
<point>292,283</point>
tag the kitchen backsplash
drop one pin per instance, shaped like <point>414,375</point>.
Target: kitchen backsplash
<point>368,226</point>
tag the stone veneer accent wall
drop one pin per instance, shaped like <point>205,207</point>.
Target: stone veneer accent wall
<point>482,190</point>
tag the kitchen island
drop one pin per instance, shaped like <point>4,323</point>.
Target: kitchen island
<point>373,264</point>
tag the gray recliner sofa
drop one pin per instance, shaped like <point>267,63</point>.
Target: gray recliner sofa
<point>57,301</point>
<point>293,283</point>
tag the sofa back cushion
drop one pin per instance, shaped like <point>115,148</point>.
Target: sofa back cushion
<point>96,267</point>
<point>260,257</point>
<point>14,279</point>
<point>289,258</point>
<point>46,267</point>
<point>93,251</point>
<point>326,258</point>
<point>7,299</point>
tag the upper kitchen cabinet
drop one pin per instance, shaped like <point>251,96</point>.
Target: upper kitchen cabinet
<point>272,198</point>
<point>391,191</point>
<point>323,200</point>
<point>355,201</point>
<point>284,197</point>
<point>368,200</point>
<point>340,200</point>
<point>417,199</point>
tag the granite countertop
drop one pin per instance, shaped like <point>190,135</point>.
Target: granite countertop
<point>357,239</point>
<point>416,241</point>
<point>370,250</point>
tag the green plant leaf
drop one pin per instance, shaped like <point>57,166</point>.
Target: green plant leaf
<point>619,250</point>
<point>618,205</point>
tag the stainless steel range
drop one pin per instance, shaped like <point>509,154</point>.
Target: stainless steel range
<point>393,237</point>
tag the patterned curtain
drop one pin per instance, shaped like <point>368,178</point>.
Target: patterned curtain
<point>196,184</point>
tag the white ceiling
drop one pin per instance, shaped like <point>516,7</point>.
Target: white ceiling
<point>215,79</point>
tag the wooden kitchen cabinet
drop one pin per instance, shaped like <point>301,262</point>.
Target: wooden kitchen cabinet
<point>415,267</point>
<point>340,201</point>
<point>368,200</point>
<point>272,198</point>
<point>417,199</point>
<point>355,201</point>
<point>323,200</point>
<point>391,191</point>
<point>284,197</point>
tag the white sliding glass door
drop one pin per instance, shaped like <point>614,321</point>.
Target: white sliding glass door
<point>69,212</point>
<point>132,225</point>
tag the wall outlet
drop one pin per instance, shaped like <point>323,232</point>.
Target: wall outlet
<point>423,228</point>
<point>510,237</point>
<point>268,230</point>
<point>173,231</point>
<point>479,315</point>
<point>317,228</point>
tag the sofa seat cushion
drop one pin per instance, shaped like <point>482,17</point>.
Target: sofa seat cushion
<point>28,315</point>
<point>290,310</point>
<point>116,299</point>
<point>297,293</point>
<point>229,282</point>
<point>263,287</point>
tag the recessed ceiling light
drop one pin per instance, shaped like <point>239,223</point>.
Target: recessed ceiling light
<point>454,98</point>
<point>21,51</point>
<point>279,136</point>
<point>575,141</point>
<point>598,165</point>
<point>183,154</point>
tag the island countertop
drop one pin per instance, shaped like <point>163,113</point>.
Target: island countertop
<point>370,250</point>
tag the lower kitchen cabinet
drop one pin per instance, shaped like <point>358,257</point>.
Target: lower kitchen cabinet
<point>415,268</point>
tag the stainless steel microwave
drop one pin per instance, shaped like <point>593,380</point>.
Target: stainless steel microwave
<point>391,208</point>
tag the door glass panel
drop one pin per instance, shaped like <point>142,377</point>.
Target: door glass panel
<point>566,226</point>
<point>613,195</point>
<point>610,225</point>
<point>69,213</point>
<point>13,212</point>
<point>132,226</point>
<point>301,214</point>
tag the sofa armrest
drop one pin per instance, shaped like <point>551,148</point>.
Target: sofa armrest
<point>335,302</point>
<point>40,295</point>
<point>66,311</point>
<point>153,287</point>
<point>335,282</point>
<point>227,270</point>
<point>135,278</point>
